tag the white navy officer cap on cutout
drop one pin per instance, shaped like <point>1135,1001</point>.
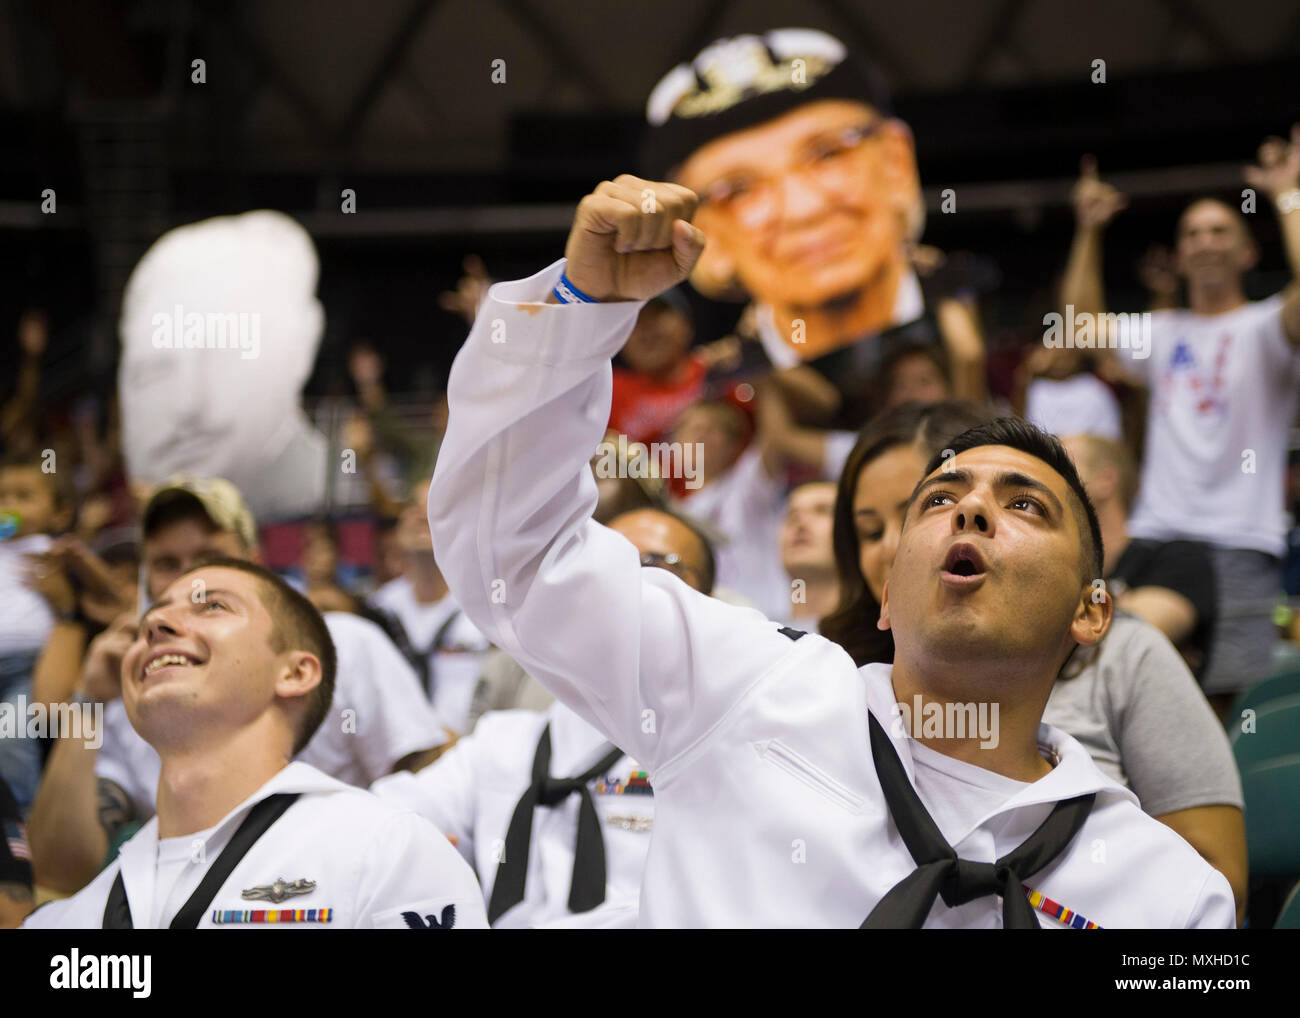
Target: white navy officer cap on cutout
<point>740,64</point>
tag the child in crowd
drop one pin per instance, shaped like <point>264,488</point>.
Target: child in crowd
<point>33,509</point>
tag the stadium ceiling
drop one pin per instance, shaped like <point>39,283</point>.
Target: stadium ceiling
<point>407,84</point>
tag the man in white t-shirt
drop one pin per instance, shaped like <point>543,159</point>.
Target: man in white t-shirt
<point>1224,375</point>
<point>443,646</point>
<point>378,721</point>
<point>1063,397</point>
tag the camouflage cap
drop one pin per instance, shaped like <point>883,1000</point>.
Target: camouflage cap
<point>220,501</point>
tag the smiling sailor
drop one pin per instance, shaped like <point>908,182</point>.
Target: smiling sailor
<point>785,792</point>
<point>230,675</point>
<point>555,818</point>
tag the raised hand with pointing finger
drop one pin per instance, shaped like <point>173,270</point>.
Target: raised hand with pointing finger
<point>1278,169</point>
<point>1095,201</point>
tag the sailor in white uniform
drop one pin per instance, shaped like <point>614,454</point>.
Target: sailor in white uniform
<point>553,817</point>
<point>424,621</point>
<point>788,790</point>
<point>226,687</point>
<point>378,719</point>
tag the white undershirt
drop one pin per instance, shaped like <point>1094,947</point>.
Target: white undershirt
<point>179,869</point>
<point>1079,405</point>
<point>957,794</point>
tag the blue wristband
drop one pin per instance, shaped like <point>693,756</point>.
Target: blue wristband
<point>566,293</point>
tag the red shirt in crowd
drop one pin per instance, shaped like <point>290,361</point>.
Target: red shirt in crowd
<point>644,409</point>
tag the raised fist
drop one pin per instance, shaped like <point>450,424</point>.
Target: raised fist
<point>632,239</point>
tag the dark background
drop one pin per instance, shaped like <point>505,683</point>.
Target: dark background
<point>394,99</point>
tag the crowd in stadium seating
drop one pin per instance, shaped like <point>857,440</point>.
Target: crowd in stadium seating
<point>795,508</point>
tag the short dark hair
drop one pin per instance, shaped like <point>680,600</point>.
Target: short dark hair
<point>295,625</point>
<point>890,363</point>
<point>58,483</point>
<point>1223,203</point>
<point>1018,434</point>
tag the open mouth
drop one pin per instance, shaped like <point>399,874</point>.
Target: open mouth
<point>963,562</point>
<point>168,659</point>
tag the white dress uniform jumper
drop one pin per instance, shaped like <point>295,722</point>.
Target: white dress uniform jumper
<point>770,807</point>
<point>304,851</point>
<point>555,819</point>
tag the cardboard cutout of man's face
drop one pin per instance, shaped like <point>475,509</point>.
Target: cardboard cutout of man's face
<point>810,213</point>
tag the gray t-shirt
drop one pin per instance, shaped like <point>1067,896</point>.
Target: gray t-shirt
<point>1138,711</point>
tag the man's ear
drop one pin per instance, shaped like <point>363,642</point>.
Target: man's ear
<point>882,623</point>
<point>1092,615</point>
<point>300,675</point>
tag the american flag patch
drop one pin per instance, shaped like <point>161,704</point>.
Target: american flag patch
<point>16,839</point>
